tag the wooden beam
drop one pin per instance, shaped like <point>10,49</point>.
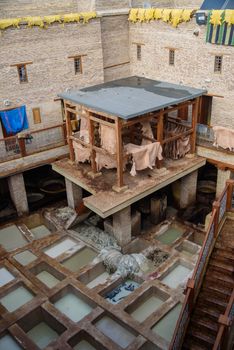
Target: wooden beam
<point>194,125</point>
<point>119,150</point>
<point>92,143</point>
<point>69,133</point>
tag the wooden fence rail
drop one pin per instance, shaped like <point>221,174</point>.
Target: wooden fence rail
<point>31,142</point>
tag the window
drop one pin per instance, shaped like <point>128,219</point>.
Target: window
<point>36,115</point>
<point>78,65</point>
<point>22,71</point>
<point>139,52</point>
<point>218,64</point>
<point>171,57</point>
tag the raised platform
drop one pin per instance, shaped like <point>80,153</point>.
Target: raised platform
<point>105,202</point>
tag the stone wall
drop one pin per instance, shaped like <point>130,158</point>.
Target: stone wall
<point>23,8</point>
<point>115,45</point>
<point>51,71</point>
<point>167,3</point>
<point>194,62</point>
<point>111,4</point>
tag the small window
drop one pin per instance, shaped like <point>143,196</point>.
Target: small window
<point>78,65</point>
<point>22,72</point>
<point>36,115</point>
<point>171,57</point>
<point>218,64</point>
<point>139,52</point>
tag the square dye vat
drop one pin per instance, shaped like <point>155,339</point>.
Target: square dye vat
<point>170,235</point>
<point>115,331</point>
<point>59,248</point>
<point>80,259</point>
<point>73,307</point>
<point>176,275</point>
<point>25,258</point>
<point>48,279</point>
<point>42,335</point>
<point>40,231</point>
<point>5,276</point>
<point>166,326</point>
<point>47,274</point>
<point>7,342</point>
<point>98,280</point>
<point>84,345</point>
<point>12,238</point>
<point>122,291</point>
<point>16,298</point>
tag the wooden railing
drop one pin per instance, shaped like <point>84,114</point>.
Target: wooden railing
<point>31,142</point>
<point>225,323</point>
<point>194,284</point>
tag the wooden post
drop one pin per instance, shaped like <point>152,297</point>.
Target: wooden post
<point>160,126</point>
<point>64,133</point>
<point>119,153</point>
<point>230,184</point>
<point>216,205</point>
<point>194,125</point>
<point>92,143</point>
<point>22,147</point>
<point>69,133</point>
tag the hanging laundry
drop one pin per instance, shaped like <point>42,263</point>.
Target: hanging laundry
<point>14,120</point>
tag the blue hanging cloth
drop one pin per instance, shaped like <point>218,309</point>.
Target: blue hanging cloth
<point>14,120</point>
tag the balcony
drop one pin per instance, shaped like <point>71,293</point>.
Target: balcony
<point>32,148</point>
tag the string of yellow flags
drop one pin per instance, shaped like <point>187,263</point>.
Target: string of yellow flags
<point>43,22</point>
<point>172,16</point>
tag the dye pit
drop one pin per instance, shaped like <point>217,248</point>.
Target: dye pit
<point>56,292</point>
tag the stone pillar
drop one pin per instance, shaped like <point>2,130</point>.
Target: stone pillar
<point>74,194</point>
<point>122,226</point>
<point>223,176</point>
<point>188,190</point>
<point>18,193</point>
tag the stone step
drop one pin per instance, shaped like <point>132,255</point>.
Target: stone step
<point>210,286</point>
<point>206,311</point>
<point>220,245</point>
<point>223,253</point>
<point>221,296</point>
<point>191,344</point>
<point>205,323</point>
<point>221,266</point>
<point>201,338</point>
<point>212,272</point>
<point>208,299</point>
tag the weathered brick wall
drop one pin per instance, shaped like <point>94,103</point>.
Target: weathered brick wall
<point>22,8</point>
<point>111,4</point>
<point>153,3</point>
<point>168,3</point>
<point>51,71</point>
<point>194,62</point>
<point>115,45</point>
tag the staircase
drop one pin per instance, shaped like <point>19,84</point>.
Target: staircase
<point>215,293</point>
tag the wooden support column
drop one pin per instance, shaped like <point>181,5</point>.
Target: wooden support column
<point>119,155</point>
<point>22,146</point>
<point>160,127</point>
<point>92,143</point>
<point>194,125</point>
<point>230,190</point>
<point>94,173</point>
<point>69,133</point>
